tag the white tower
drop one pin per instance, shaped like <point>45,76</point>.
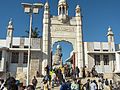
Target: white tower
<point>111,45</point>
<point>110,36</point>
<point>62,10</point>
<point>9,37</point>
<point>46,39</point>
<point>79,40</point>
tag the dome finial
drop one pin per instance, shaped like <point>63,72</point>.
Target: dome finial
<point>110,31</point>
<point>58,46</point>
<point>46,4</point>
<point>78,11</point>
<point>78,7</point>
<point>109,28</point>
<point>10,22</point>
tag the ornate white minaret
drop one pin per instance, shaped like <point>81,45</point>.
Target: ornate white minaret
<point>46,39</point>
<point>110,36</point>
<point>62,10</point>
<point>111,46</point>
<point>79,40</point>
<point>9,36</point>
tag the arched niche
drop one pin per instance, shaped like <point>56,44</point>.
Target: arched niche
<point>67,49</point>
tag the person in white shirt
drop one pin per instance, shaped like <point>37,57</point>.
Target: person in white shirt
<point>74,85</point>
<point>100,85</point>
<point>93,86</point>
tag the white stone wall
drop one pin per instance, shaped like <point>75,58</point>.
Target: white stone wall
<point>36,43</point>
<point>2,43</point>
<point>3,61</point>
<point>117,67</point>
<point>85,54</point>
<point>16,41</point>
<point>97,45</point>
<point>91,51</point>
<point>105,46</point>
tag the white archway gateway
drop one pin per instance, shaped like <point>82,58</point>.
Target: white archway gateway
<point>62,27</point>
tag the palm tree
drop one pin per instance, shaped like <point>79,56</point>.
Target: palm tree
<point>34,33</point>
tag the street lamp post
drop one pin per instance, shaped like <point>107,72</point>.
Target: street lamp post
<point>30,9</point>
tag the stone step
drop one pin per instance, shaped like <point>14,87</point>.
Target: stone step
<point>83,81</point>
<point>39,84</point>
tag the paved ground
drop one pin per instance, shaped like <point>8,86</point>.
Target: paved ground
<point>55,88</point>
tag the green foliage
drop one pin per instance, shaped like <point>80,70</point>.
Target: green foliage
<point>34,33</point>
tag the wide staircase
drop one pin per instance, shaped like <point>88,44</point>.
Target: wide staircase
<point>116,77</point>
<point>39,79</point>
<point>39,84</point>
<point>83,81</point>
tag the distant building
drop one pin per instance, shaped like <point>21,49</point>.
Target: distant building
<point>13,50</point>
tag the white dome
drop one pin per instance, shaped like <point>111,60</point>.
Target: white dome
<point>62,1</point>
<point>109,29</point>
<point>10,22</point>
<point>58,46</point>
<point>77,7</point>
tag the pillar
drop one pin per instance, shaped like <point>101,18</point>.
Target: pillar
<point>102,63</point>
<point>117,69</point>
<point>79,40</point>
<point>46,38</point>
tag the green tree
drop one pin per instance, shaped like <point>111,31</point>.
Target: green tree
<point>34,33</point>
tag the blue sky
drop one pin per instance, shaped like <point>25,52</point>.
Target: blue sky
<point>97,16</point>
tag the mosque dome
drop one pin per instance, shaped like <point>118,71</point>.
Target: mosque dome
<point>46,4</point>
<point>110,31</point>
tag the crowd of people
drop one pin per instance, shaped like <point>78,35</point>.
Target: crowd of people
<point>59,77</point>
<point>12,84</point>
<point>65,78</point>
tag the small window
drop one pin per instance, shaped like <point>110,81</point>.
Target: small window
<point>63,10</point>
<point>25,57</point>
<point>0,55</point>
<point>96,49</point>
<point>106,59</point>
<point>15,57</point>
<point>59,10</point>
<point>105,50</point>
<point>15,46</point>
<point>97,59</point>
<point>25,46</point>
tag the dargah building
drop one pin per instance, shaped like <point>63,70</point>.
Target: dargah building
<point>14,50</point>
